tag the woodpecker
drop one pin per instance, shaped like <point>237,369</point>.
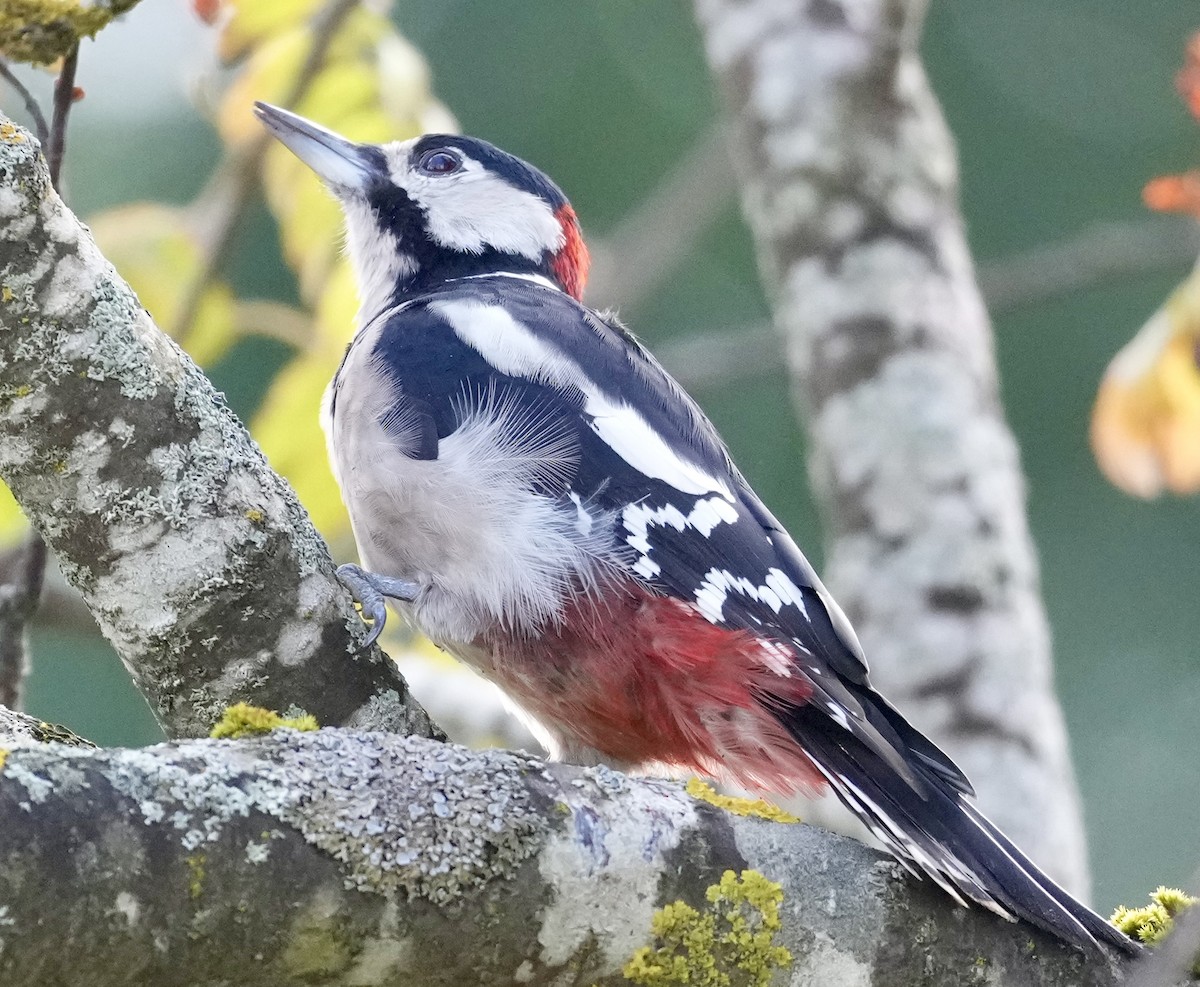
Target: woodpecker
<point>541,499</point>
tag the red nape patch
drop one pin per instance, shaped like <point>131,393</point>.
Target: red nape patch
<point>646,681</point>
<point>570,264</point>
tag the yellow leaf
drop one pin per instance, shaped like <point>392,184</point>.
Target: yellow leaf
<point>153,248</point>
<point>1146,422</point>
<point>13,525</point>
<point>288,429</point>
<point>254,21</point>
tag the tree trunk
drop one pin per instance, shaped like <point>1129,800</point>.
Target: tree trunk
<point>849,182</point>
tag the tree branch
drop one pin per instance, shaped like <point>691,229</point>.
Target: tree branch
<point>854,209</point>
<point>19,596</point>
<point>200,565</point>
<point>64,98</point>
<point>352,858</point>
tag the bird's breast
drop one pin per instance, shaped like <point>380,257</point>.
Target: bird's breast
<point>472,523</point>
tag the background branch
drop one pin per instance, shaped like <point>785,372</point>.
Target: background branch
<point>32,107</point>
<point>64,99</point>
<point>854,209</point>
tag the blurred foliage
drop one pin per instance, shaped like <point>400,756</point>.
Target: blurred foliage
<point>371,85</point>
<point>1146,423</point>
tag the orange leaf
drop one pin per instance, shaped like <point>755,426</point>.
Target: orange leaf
<point>1174,193</point>
<point>1188,79</point>
<point>1146,422</point>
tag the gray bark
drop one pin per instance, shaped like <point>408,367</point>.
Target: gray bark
<point>849,181</point>
<point>344,858</point>
<point>197,560</point>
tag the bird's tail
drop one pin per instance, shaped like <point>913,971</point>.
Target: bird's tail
<point>934,830</point>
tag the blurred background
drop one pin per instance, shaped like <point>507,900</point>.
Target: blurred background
<point>1061,113</point>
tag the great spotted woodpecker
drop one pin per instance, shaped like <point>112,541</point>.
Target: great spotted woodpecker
<point>545,502</point>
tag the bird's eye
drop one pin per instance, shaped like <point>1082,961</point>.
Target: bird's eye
<point>440,162</point>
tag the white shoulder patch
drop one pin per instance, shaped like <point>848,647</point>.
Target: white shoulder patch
<point>629,435</point>
<point>512,349</point>
<point>504,342</point>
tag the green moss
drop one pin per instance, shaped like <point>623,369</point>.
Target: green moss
<point>244,720</point>
<point>731,943</point>
<point>314,948</point>
<point>1152,923</point>
<point>195,866</point>
<point>41,31</point>
<point>703,791</point>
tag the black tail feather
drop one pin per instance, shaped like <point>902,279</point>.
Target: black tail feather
<point>943,836</point>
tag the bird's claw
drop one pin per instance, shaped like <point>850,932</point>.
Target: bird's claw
<point>369,590</point>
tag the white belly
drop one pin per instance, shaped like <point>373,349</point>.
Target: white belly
<point>466,526</point>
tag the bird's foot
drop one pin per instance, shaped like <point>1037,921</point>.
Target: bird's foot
<point>369,590</point>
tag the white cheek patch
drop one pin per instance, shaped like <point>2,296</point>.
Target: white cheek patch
<point>777,592</point>
<point>475,209</point>
<point>703,518</point>
<point>512,349</point>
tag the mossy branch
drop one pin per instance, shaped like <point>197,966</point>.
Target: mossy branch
<point>334,857</point>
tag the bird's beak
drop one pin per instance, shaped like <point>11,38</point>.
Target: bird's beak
<point>339,163</point>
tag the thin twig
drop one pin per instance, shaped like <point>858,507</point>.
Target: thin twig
<point>653,239</point>
<point>1095,255</point>
<point>223,200</point>
<point>64,97</point>
<point>18,603</point>
<point>32,107</point>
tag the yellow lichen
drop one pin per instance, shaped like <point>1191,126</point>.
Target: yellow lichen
<point>731,943</point>
<point>255,516</point>
<point>1152,923</point>
<point>41,31</point>
<point>3,757</point>
<point>244,720</point>
<point>6,293</point>
<point>703,791</point>
<point>10,135</point>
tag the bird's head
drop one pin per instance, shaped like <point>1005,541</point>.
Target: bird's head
<point>441,206</point>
